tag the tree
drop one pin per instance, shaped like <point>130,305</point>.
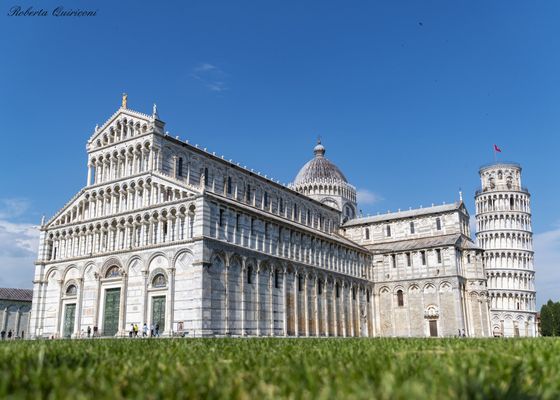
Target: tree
<point>556,317</point>
<point>550,319</point>
<point>547,327</point>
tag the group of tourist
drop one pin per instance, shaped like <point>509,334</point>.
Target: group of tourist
<point>134,329</point>
<point>11,335</point>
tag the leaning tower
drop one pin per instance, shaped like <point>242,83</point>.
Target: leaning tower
<point>503,218</point>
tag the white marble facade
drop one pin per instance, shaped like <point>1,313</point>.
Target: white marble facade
<point>168,234</point>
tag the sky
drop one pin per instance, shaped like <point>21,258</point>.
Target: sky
<point>408,98</point>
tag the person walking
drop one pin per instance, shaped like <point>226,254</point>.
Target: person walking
<point>10,334</point>
<point>88,331</point>
<point>135,330</point>
<point>3,334</point>
<point>145,330</point>
<point>157,330</point>
<point>94,330</point>
<point>152,331</point>
<point>131,330</point>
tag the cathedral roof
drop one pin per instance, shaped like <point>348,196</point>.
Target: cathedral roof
<point>16,294</point>
<point>456,239</point>
<point>407,214</point>
<point>318,169</point>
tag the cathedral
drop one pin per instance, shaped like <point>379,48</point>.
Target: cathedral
<point>167,234</point>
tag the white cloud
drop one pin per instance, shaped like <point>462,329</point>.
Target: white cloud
<point>366,197</point>
<point>204,67</point>
<point>212,77</point>
<point>18,252</point>
<point>12,208</point>
<point>547,265</point>
<point>18,245</point>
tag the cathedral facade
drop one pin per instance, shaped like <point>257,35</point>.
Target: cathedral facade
<point>166,234</point>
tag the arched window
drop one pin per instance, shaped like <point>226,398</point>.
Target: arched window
<point>438,223</point>
<point>72,290</point>
<point>367,233</point>
<point>411,226</point>
<point>400,298</point>
<point>206,177</point>
<point>500,175</point>
<point>113,272</point>
<point>388,229</point>
<point>159,281</point>
<point>180,167</point>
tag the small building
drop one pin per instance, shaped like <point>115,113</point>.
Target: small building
<point>15,308</point>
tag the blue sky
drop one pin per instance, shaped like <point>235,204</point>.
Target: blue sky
<point>408,98</point>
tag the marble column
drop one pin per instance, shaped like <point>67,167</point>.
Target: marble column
<point>258,302</point>
<point>306,303</point>
<point>316,306</point>
<point>243,277</point>
<point>284,300</point>
<point>79,300</point>
<point>226,287</point>
<point>296,305</point>
<point>271,297</point>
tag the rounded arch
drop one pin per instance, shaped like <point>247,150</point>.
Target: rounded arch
<point>431,311</point>
<point>154,274</point>
<point>429,288</point>
<point>445,287</point>
<point>413,288</point>
<point>71,272</point>
<point>182,260</point>
<point>70,288</point>
<point>158,260</point>
<point>52,274</point>
<point>131,260</point>
<point>113,261</point>
<point>397,288</point>
<point>89,271</point>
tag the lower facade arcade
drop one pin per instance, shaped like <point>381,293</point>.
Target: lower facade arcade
<point>229,293</point>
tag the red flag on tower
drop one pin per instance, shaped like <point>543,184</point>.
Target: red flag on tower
<point>497,149</point>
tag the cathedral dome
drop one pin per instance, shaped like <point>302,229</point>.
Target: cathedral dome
<point>319,169</point>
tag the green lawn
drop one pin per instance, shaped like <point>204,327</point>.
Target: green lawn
<point>281,368</point>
